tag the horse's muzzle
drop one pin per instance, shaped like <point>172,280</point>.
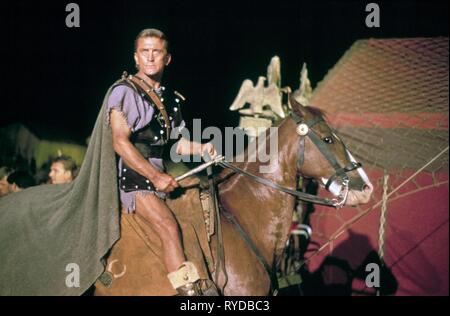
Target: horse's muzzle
<point>356,197</point>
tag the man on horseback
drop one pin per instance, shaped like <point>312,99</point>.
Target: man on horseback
<point>141,132</point>
<point>47,231</point>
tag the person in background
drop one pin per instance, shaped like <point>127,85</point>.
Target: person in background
<point>62,170</point>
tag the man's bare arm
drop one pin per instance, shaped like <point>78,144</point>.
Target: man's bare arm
<point>133,158</point>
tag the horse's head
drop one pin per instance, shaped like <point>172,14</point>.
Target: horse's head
<point>323,156</point>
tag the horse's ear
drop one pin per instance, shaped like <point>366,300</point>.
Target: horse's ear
<point>296,106</point>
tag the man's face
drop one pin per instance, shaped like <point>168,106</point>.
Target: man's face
<point>58,174</point>
<point>151,56</point>
<point>4,186</point>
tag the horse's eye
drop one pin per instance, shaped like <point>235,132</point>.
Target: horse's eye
<point>328,140</point>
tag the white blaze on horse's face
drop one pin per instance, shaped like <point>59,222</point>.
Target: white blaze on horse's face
<point>356,197</point>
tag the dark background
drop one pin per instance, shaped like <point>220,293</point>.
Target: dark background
<point>55,77</point>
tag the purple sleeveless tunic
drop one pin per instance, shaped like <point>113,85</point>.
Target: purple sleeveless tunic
<point>138,113</point>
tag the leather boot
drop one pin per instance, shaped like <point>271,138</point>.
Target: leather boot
<point>186,281</point>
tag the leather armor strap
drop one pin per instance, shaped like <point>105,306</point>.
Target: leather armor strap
<point>148,90</point>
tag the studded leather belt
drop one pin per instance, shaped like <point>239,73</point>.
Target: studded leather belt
<point>130,180</point>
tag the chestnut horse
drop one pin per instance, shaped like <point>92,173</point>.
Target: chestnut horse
<point>261,212</point>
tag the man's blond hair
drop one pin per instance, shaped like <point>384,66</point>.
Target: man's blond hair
<point>152,33</point>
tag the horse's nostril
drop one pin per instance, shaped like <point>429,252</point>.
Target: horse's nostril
<point>366,188</point>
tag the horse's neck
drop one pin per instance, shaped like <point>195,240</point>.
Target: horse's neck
<point>263,212</point>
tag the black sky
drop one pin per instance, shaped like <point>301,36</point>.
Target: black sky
<point>55,78</point>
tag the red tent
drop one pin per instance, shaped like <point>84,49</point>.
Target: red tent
<point>388,98</point>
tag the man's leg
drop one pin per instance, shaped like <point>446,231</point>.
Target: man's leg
<point>183,275</point>
<point>160,217</point>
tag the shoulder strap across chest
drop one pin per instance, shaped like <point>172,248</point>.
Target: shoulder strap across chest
<point>143,87</point>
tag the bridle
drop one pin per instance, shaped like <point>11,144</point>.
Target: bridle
<point>304,129</point>
<point>340,177</point>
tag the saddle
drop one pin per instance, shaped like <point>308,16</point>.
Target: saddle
<point>135,266</point>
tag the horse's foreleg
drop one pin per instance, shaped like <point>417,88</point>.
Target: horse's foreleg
<point>246,275</point>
